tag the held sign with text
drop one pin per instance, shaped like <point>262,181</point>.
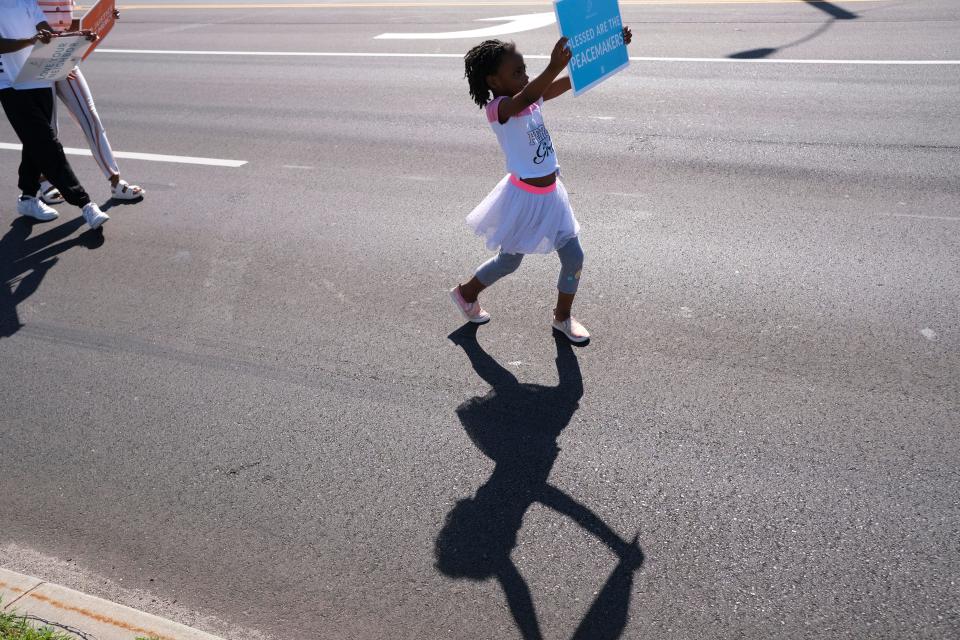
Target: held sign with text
<point>595,33</point>
<point>55,60</point>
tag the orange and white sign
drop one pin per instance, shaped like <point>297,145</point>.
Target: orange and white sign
<point>100,20</point>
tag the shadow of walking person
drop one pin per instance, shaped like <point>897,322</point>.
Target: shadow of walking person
<point>25,261</point>
<point>517,426</point>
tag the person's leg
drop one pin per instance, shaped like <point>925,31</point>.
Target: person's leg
<point>74,92</point>
<point>49,193</point>
<point>500,265</point>
<point>55,114</point>
<point>30,113</point>
<point>29,173</point>
<point>571,264</point>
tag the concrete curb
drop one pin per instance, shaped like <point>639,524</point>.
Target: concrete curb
<point>83,615</point>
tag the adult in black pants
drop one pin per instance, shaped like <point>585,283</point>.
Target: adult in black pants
<point>29,108</point>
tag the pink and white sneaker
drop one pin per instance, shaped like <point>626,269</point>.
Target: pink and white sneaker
<point>470,310</point>
<point>574,331</point>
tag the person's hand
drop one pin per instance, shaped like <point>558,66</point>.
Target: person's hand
<point>627,35</point>
<point>561,55</point>
<point>43,36</point>
<point>90,35</point>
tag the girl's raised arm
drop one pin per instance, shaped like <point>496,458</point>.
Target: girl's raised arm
<point>557,88</point>
<point>536,88</point>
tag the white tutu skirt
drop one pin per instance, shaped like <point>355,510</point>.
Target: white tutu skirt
<point>519,218</point>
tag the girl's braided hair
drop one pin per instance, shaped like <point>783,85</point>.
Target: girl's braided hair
<point>482,61</point>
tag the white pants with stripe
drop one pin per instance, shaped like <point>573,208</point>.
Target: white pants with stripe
<point>75,93</point>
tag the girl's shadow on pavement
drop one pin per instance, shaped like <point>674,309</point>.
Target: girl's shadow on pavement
<point>517,426</point>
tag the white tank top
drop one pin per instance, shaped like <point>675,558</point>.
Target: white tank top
<point>524,140</point>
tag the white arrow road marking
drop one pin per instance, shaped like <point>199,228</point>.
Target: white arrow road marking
<point>515,24</point>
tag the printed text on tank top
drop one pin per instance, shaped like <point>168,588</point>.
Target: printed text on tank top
<point>526,143</point>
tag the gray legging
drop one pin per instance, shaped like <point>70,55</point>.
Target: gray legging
<point>571,262</point>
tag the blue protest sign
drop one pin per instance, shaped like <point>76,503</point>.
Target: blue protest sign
<point>595,33</point>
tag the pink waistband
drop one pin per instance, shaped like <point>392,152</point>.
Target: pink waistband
<point>529,188</point>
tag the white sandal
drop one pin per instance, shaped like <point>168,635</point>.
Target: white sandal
<point>126,191</point>
<point>49,194</point>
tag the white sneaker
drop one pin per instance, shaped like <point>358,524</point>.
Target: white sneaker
<point>94,217</point>
<point>470,310</point>
<point>33,208</point>
<point>574,331</point>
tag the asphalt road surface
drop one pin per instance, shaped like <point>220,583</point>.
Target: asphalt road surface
<point>242,396</point>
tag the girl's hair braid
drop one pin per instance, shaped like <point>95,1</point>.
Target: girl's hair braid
<point>482,61</point>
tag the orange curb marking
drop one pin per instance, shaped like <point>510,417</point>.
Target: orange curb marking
<point>98,617</point>
<point>9,587</point>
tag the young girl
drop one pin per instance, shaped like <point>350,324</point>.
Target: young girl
<point>528,211</point>
<point>75,94</point>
